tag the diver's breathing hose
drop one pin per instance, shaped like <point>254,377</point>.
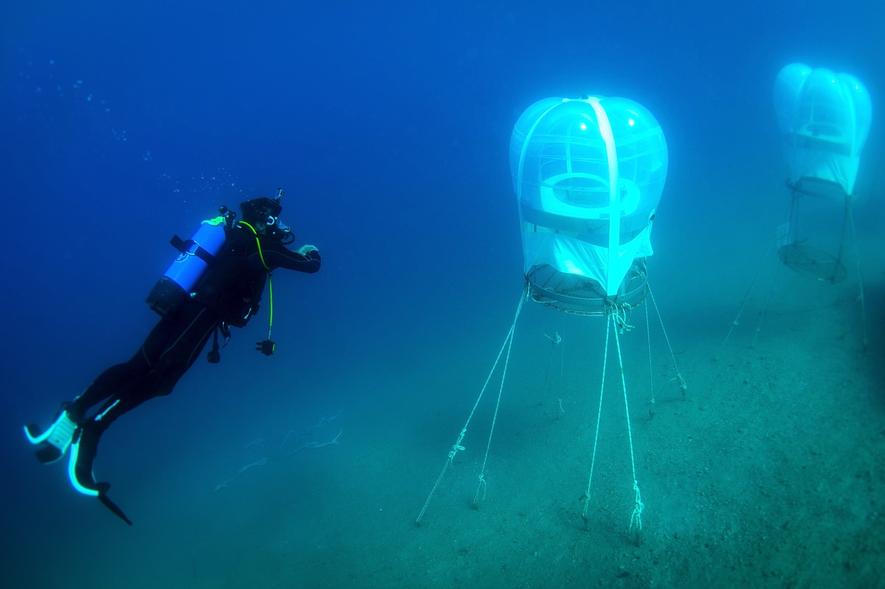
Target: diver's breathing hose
<point>270,305</point>
<point>257,243</point>
<point>269,280</point>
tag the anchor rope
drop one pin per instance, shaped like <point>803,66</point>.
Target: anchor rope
<point>457,446</point>
<point>861,297</point>
<point>638,506</point>
<point>746,298</point>
<point>681,380</point>
<point>608,321</point>
<point>651,371</point>
<point>481,486</point>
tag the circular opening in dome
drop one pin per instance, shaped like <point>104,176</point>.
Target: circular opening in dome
<point>823,130</point>
<point>581,295</point>
<point>582,191</point>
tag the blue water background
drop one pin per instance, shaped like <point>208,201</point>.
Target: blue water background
<point>387,123</point>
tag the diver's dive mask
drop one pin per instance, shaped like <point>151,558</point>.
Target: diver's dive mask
<point>279,225</point>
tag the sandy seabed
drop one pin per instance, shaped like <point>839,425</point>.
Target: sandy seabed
<point>768,472</point>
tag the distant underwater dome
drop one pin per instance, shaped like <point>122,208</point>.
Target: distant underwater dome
<point>588,175</point>
<point>825,119</point>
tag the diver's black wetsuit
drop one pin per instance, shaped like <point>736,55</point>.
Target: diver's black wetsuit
<point>228,293</point>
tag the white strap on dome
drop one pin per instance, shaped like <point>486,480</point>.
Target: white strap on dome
<point>614,220</point>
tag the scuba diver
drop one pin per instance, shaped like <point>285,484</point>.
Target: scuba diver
<point>216,282</point>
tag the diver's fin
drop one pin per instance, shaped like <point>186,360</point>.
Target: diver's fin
<point>80,466</point>
<point>113,507</point>
<point>53,442</point>
<point>83,449</point>
<point>47,453</point>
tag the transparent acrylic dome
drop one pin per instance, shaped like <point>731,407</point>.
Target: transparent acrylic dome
<point>588,175</point>
<point>825,119</point>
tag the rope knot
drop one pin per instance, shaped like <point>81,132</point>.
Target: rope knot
<point>620,312</point>
<point>638,506</point>
<point>457,446</point>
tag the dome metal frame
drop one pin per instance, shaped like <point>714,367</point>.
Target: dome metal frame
<point>584,296</point>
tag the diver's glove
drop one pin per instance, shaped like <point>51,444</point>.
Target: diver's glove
<point>307,250</point>
<point>266,347</point>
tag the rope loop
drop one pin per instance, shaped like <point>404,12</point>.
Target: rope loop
<point>638,506</point>
<point>620,314</point>
<point>457,446</point>
<point>480,494</point>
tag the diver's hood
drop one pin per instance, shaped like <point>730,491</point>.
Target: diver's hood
<point>261,210</point>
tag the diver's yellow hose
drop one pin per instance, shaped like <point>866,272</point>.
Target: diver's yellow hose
<point>270,305</point>
<point>269,280</point>
<point>257,243</point>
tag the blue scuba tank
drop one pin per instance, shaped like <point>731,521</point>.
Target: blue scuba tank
<point>175,286</point>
